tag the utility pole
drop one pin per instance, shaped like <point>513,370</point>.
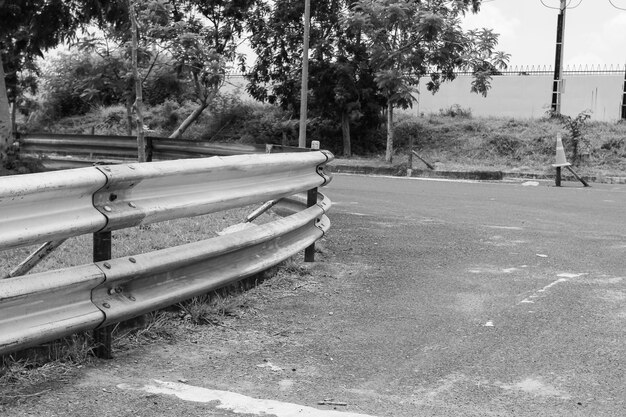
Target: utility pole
<point>624,96</point>
<point>557,86</point>
<point>305,75</point>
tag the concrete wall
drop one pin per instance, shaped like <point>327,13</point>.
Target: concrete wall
<point>529,96</point>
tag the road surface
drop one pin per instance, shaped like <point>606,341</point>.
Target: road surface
<point>431,298</point>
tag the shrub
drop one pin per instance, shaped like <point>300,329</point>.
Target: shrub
<point>456,110</point>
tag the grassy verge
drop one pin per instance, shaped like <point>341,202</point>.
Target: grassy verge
<point>30,372</point>
<point>522,145</point>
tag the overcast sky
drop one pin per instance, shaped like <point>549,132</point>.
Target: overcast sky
<point>595,32</point>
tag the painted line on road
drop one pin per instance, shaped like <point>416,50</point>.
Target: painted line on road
<point>563,277</point>
<point>237,403</point>
<point>414,178</point>
<point>504,227</point>
<point>529,299</point>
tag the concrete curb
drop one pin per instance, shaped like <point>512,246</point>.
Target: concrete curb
<point>399,171</point>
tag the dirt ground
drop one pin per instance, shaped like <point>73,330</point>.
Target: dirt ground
<point>251,349</point>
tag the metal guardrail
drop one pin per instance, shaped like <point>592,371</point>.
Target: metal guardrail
<point>61,151</point>
<point>56,205</point>
<point>39,207</point>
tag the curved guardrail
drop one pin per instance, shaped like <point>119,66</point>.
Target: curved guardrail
<point>41,307</point>
<point>57,205</point>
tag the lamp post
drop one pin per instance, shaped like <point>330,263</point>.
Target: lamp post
<point>305,75</point>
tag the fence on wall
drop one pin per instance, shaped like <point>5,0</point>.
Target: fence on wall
<point>524,91</point>
<point>46,208</point>
<point>527,93</point>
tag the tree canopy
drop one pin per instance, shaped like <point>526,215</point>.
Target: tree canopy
<point>411,39</point>
<point>365,55</point>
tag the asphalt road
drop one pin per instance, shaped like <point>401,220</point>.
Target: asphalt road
<point>486,298</point>
<point>429,298</point>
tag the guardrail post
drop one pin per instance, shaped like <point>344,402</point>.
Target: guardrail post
<point>149,148</point>
<point>102,337</point>
<point>311,200</point>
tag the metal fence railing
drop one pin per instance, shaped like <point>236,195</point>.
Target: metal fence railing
<point>62,151</point>
<point>50,207</point>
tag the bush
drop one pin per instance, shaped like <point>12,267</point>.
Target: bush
<point>456,110</point>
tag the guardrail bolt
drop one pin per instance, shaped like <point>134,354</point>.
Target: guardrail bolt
<point>131,204</point>
<point>106,305</point>
<point>111,291</point>
<point>112,197</point>
<point>106,208</point>
<point>107,265</point>
<point>133,260</point>
<point>118,289</point>
<point>131,298</point>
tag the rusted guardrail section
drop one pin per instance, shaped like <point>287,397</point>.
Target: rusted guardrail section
<point>36,208</point>
<point>62,151</point>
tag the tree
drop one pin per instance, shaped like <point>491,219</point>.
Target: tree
<point>410,39</point>
<point>203,51</point>
<point>27,29</point>
<point>340,79</point>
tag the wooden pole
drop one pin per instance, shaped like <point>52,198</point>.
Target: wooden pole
<point>305,75</point>
<point>579,178</point>
<point>33,259</point>
<point>557,179</point>
<point>428,164</point>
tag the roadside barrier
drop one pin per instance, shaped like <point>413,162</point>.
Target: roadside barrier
<point>61,151</point>
<point>51,207</point>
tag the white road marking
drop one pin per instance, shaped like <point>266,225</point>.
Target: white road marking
<point>489,324</point>
<point>530,184</point>
<point>552,284</point>
<point>271,366</point>
<point>234,402</point>
<point>410,178</point>
<point>505,227</point>
<point>535,387</point>
<point>568,275</point>
<point>529,299</point>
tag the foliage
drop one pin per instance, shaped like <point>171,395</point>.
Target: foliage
<point>456,110</point>
<point>27,29</point>
<point>341,81</point>
<point>575,126</point>
<point>408,40</point>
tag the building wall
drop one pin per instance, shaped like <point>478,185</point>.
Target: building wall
<point>529,96</point>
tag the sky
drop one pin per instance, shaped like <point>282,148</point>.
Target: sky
<point>595,32</point>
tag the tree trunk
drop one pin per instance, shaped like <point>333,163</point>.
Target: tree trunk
<point>345,131</point>
<point>389,152</point>
<point>141,141</point>
<point>129,116</point>
<point>14,119</point>
<point>189,120</point>
<point>5,117</point>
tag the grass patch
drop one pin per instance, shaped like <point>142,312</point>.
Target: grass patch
<point>26,373</point>
<point>465,142</point>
